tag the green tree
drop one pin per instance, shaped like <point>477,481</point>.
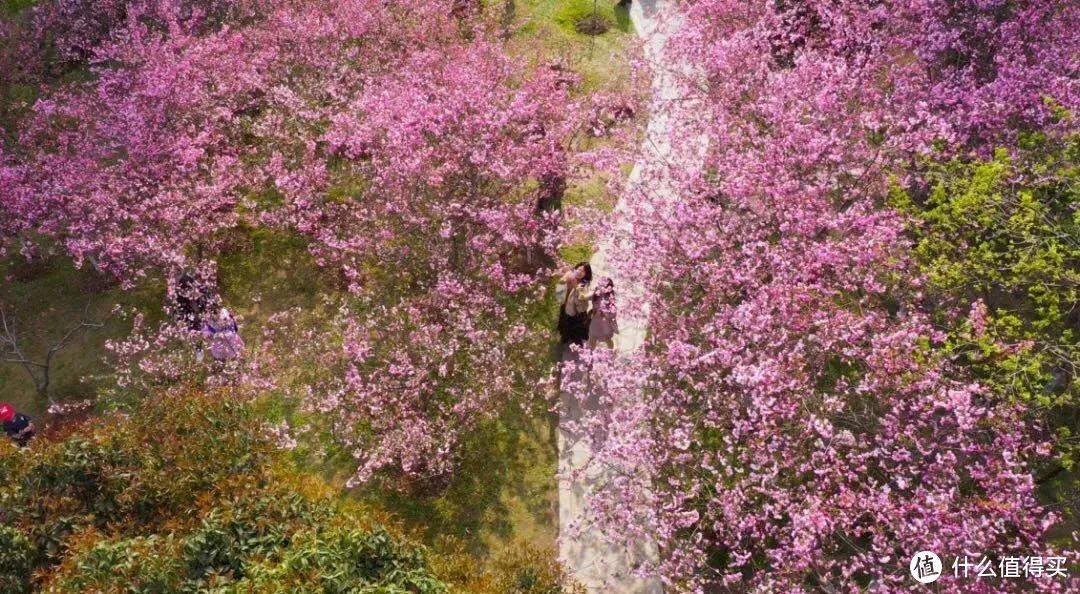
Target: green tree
<point>998,239</point>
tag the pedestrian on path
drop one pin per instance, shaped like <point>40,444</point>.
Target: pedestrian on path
<point>603,324</point>
<point>191,301</point>
<point>574,310</point>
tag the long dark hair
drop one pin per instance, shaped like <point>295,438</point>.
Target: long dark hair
<point>588,271</point>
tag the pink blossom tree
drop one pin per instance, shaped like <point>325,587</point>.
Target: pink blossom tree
<point>403,146</point>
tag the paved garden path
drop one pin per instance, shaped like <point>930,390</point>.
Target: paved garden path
<point>596,564</point>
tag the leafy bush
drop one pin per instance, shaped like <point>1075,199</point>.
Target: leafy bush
<point>134,473</point>
<point>15,562</point>
<point>521,569</point>
<point>183,494</point>
<point>250,554</point>
<point>336,559</point>
<point>999,240</point>
<point>140,564</point>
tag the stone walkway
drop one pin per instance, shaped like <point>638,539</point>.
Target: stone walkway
<point>596,564</point>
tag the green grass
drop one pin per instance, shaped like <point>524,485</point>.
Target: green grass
<point>269,272</point>
<point>14,7</point>
<point>546,27</point>
<point>49,297</point>
<point>592,192</point>
<point>569,12</point>
<point>264,273</point>
<point>574,253</point>
<point>504,492</point>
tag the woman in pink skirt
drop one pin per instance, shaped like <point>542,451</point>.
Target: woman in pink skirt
<point>604,326</point>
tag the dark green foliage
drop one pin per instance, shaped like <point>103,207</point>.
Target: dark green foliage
<point>185,494</point>
<point>248,554</point>
<point>341,558</point>
<point>16,558</point>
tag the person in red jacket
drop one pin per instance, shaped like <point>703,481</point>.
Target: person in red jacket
<point>17,426</point>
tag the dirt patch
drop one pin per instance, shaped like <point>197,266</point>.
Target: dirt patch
<point>592,25</point>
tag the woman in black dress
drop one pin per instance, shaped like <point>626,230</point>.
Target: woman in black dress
<point>574,309</point>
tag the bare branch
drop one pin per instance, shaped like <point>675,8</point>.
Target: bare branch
<point>39,371</point>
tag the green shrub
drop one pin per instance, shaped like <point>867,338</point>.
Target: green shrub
<point>131,474</point>
<point>1006,232</point>
<point>16,561</point>
<point>186,494</point>
<point>273,543</point>
<point>335,560</point>
<point>521,569</point>
<point>141,565</point>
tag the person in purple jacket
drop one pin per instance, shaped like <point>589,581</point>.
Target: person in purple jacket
<point>224,336</point>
